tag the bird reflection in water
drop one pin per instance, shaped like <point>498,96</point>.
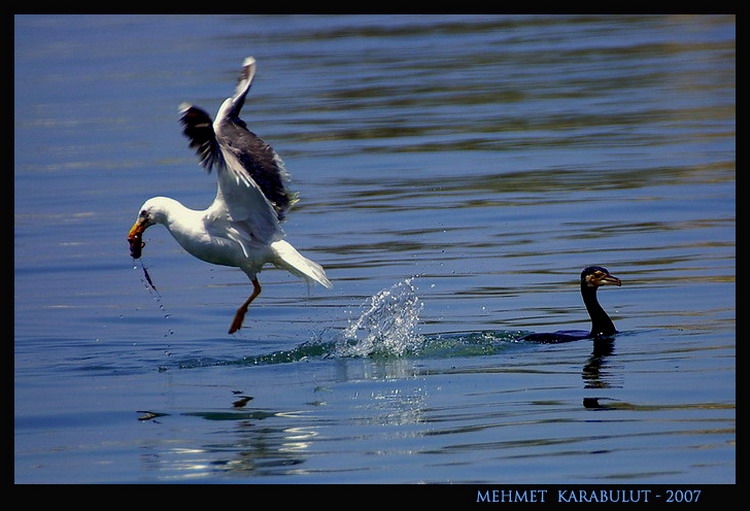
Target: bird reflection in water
<point>595,375</point>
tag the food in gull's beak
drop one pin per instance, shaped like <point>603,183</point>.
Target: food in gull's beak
<point>136,244</point>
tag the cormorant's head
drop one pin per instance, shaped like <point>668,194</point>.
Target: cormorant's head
<point>595,276</point>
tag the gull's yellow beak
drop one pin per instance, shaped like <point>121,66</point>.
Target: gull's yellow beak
<point>134,238</point>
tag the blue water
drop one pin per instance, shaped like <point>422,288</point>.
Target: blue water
<point>455,175</point>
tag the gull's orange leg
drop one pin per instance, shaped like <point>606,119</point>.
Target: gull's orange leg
<point>239,316</point>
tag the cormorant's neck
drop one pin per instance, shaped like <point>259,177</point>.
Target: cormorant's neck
<point>601,325</point>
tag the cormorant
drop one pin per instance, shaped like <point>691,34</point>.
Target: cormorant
<point>592,278</point>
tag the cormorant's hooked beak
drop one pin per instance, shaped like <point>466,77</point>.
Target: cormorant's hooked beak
<point>134,236</point>
<point>608,280</point>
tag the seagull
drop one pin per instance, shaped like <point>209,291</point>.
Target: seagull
<point>242,227</point>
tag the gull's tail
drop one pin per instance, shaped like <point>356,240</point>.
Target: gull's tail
<point>295,263</point>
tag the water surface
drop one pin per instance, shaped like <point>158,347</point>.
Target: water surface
<point>456,173</point>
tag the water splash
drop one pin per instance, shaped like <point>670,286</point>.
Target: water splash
<point>387,325</point>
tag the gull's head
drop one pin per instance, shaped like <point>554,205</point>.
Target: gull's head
<point>152,212</point>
